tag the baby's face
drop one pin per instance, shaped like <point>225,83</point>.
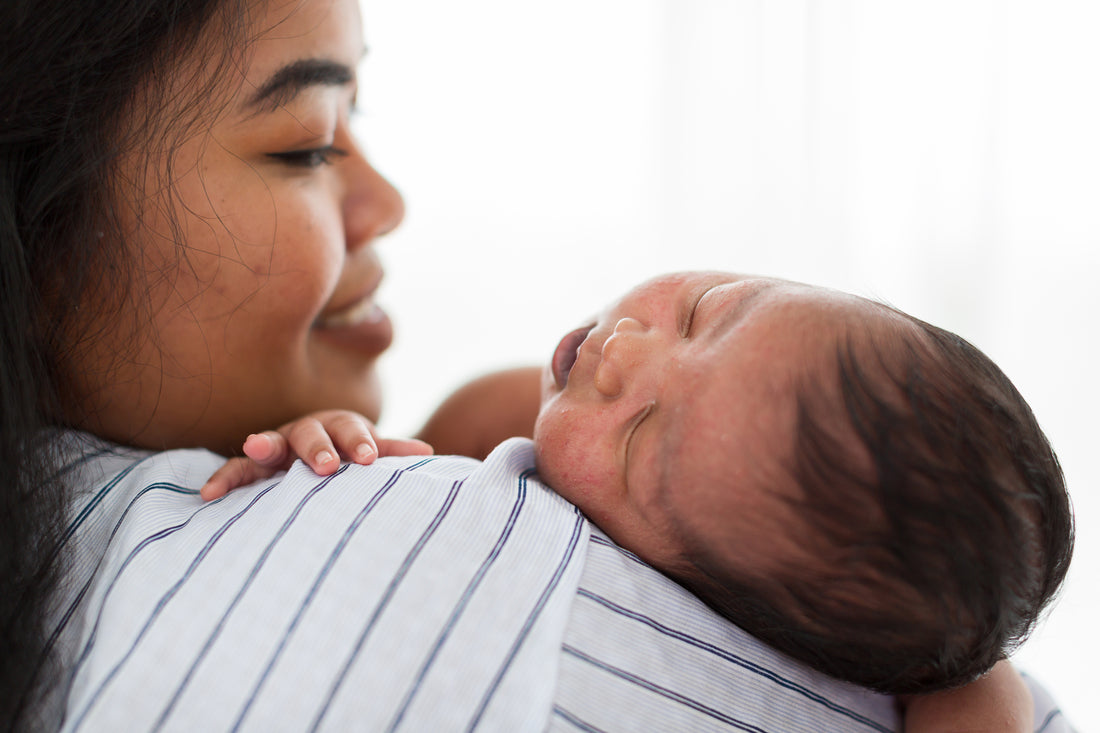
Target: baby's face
<point>687,378</point>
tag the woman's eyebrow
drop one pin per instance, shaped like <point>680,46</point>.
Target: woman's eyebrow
<point>289,81</point>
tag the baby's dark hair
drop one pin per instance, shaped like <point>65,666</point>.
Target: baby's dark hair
<point>935,511</point>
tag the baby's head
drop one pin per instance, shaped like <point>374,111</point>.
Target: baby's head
<point>861,490</point>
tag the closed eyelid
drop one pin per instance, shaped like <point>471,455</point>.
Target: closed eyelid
<point>688,316</point>
<point>749,292</point>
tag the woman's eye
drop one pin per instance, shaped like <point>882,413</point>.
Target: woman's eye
<point>310,158</point>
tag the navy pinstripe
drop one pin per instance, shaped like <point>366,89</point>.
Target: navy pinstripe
<point>728,656</point>
<point>575,721</point>
<point>662,691</point>
<point>164,602</point>
<point>66,617</point>
<point>463,601</point>
<point>93,503</point>
<point>279,534</point>
<point>317,582</point>
<point>530,621</point>
<point>732,658</point>
<point>1050,718</point>
<point>144,544</point>
<point>384,602</point>
<point>606,655</point>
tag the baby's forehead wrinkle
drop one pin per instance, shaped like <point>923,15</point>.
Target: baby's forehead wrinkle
<point>735,313</point>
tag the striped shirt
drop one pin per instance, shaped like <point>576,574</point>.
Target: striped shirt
<point>416,594</point>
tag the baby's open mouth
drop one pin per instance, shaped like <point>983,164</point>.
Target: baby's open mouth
<point>565,356</point>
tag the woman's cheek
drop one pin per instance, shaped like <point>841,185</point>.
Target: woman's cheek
<point>309,239</point>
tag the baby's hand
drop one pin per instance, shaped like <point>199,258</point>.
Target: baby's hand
<point>320,440</point>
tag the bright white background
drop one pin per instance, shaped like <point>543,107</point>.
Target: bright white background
<point>941,155</point>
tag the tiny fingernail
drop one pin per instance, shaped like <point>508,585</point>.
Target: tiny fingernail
<point>364,451</point>
<point>324,457</point>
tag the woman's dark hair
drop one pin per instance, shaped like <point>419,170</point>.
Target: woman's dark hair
<point>936,543</point>
<point>81,84</point>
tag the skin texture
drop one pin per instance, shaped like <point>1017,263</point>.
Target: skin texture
<point>266,311</point>
<point>704,362</point>
<point>998,701</point>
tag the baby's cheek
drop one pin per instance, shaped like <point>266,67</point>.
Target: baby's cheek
<point>586,487</point>
<point>555,463</point>
<point>572,459</point>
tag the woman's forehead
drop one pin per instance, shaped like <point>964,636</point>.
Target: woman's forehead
<point>290,31</point>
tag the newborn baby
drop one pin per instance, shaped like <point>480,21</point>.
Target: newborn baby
<point>859,489</point>
<point>863,491</point>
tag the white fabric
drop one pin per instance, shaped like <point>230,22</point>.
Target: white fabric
<point>370,600</point>
<point>416,594</point>
<point>641,653</point>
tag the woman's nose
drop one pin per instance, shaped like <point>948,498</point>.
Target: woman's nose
<point>372,207</point>
<point>623,354</point>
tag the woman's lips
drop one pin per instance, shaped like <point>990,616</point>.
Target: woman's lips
<point>362,326</point>
<point>364,311</point>
<point>565,355</point>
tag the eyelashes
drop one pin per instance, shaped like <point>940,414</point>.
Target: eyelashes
<point>309,158</point>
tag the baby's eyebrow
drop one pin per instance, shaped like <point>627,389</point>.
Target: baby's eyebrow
<point>289,81</point>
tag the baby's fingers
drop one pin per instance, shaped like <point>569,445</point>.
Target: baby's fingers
<point>236,472</point>
<point>351,434</point>
<point>310,441</point>
<point>403,447</point>
<point>268,448</point>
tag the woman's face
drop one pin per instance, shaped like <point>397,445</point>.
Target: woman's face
<point>267,310</point>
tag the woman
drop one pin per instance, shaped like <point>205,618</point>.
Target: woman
<point>187,254</point>
<point>124,170</point>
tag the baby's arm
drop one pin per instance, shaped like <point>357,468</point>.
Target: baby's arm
<point>998,701</point>
<point>320,440</point>
<point>484,412</point>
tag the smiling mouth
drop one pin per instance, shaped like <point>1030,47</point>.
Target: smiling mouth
<point>365,311</point>
<point>565,355</point>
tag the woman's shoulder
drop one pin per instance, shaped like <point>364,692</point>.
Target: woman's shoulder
<point>304,585</point>
<point>88,464</point>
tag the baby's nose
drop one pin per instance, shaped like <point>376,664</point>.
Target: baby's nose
<point>623,353</point>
